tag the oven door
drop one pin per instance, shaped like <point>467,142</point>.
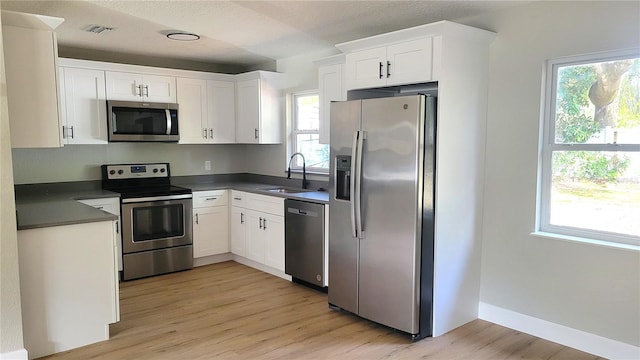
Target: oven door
<point>149,223</point>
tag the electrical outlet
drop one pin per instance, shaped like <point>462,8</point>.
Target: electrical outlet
<point>207,165</point>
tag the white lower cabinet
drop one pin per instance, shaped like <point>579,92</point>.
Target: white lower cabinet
<point>238,230</point>
<point>257,228</point>
<point>112,206</point>
<point>210,223</point>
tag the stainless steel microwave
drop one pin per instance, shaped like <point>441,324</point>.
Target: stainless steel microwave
<point>140,121</point>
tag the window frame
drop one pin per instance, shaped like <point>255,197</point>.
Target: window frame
<point>291,139</point>
<point>548,146</point>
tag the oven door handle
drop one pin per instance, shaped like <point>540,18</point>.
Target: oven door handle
<point>156,198</point>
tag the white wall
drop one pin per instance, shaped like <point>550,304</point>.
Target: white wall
<point>11,315</point>
<point>82,162</point>
<point>585,287</point>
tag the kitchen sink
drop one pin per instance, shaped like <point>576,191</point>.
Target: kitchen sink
<point>285,190</point>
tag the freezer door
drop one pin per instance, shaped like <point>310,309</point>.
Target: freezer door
<point>343,246</point>
<point>392,163</point>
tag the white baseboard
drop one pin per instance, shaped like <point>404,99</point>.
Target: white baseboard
<point>213,259</point>
<point>15,355</point>
<point>577,339</point>
<point>261,267</point>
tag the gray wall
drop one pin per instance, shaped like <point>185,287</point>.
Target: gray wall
<point>82,162</point>
<point>591,288</point>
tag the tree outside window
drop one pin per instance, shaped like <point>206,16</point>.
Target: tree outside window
<point>305,133</point>
<point>591,152</point>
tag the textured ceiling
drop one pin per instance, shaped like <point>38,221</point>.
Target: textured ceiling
<point>244,33</point>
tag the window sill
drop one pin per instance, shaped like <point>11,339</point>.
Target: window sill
<point>610,244</point>
<point>309,172</point>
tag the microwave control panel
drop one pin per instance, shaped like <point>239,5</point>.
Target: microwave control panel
<point>133,171</point>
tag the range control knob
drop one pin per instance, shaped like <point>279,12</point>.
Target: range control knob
<point>112,172</point>
<point>162,170</point>
<point>120,172</point>
<point>155,170</point>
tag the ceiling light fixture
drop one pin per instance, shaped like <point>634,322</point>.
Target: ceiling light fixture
<point>182,36</point>
<point>98,29</point>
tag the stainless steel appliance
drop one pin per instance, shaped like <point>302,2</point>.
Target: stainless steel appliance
<point>382,210</point>
<point>139,121</point>
<point>305,242</point>
<point>157,234</point>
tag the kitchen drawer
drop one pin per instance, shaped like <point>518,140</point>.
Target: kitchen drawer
<point>239,198</point>
<point>268,204</point>
<point>209,198</point>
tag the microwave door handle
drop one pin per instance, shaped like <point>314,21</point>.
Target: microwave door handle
<point>168,114</point>
<point>114,127</point>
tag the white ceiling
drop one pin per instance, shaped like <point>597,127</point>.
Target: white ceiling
<point>244,33</point>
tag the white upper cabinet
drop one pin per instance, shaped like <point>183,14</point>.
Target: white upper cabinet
<point>84,113</point>
<point>30,60</point>
<point>192,103</point>
<point>258,102</point>
<point>395,64</point>
<point>140,87</point>
<point>207,111</point>
<point>221,111</point>
<point>331,87</point>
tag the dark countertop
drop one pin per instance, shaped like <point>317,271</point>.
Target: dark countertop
<point>320,197</point>
<point>46,206</point>
<point>56,204</point>
<point>33,215</point>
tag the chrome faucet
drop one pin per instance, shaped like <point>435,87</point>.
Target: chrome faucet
<point>304,170</point>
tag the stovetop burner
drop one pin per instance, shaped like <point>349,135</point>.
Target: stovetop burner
<point>153,191</point>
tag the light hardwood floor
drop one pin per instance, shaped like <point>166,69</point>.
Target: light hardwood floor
<point>230,311</point>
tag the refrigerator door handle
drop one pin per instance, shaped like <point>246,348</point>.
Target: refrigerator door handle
<point>352,184</point>
<point>358,185</point>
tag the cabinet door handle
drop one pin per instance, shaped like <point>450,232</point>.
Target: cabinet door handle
<point>388,69</point>
<point>211,133</point>
<point>99,207</point>
<point>255,133</point>
<point>139,93</point>
<point>197,218</point>
<point>260,223</point>
<point>117,227</point>
<point>147,93</point>
<point>264,224</point>
<point>205,133</point>
<point>241,218</point>
<point>64,132</point>
<point>71,128</point>
<point>380,70</point>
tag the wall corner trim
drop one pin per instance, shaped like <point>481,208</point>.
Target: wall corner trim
<point>15,355</point>
<point>577,339</point>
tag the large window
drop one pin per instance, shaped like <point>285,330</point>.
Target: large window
<point>305,133</point>
<point>590,168</point>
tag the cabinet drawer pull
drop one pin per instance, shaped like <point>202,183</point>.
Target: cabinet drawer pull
<point>99,207</point>
<point>237,198</point>
<point>212,198</point>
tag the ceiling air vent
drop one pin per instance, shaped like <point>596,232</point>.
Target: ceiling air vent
<point>98,29</point>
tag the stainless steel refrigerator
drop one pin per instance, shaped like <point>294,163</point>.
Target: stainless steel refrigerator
<point>381,210</point>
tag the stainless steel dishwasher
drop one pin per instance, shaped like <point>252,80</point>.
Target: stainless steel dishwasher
<point>304,242</point>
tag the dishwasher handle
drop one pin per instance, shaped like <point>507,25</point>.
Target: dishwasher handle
<point>297,211</point>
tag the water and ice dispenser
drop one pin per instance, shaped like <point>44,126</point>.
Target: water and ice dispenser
<point>343,177</point>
